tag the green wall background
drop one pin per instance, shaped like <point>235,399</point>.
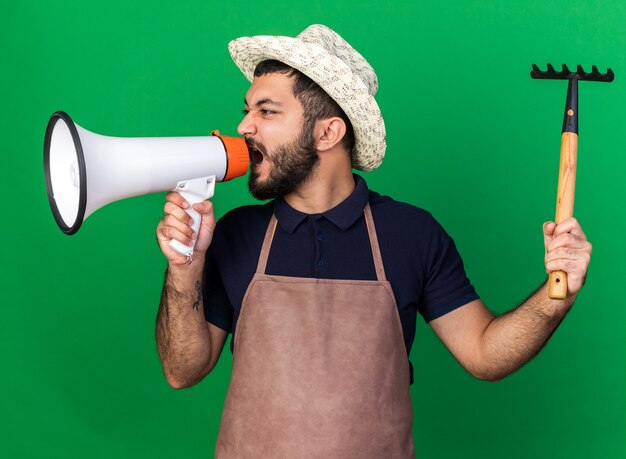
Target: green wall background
<point>471,138</point>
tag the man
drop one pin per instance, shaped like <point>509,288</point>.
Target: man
<point>322,285</point>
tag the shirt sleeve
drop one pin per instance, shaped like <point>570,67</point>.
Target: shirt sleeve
<point>217,307</point>
<point>446,285</point>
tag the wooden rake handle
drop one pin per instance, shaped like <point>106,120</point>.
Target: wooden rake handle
<point>564,203</point>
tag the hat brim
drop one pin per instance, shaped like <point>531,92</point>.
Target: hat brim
<point>333,76</point>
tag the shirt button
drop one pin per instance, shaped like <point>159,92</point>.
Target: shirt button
<point>320,236</point>
<point>320,263</point>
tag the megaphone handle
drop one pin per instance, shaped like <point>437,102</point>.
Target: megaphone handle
<point>194,191</point>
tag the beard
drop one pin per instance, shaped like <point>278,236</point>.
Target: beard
<point>291,164</point>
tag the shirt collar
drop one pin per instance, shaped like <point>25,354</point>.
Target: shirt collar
<point>343,215</point>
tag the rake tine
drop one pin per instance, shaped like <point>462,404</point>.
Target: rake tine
<point>595,74</point>
<point>548,74</point>
<point>608,76</point>
<point>565,73</point>
<point>551,73</point>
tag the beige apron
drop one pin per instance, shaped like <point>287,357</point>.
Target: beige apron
<point>319,369</point>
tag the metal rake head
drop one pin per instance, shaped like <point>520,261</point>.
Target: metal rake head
<point>566,74</point>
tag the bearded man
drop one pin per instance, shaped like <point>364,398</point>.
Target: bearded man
<point>321,286</point>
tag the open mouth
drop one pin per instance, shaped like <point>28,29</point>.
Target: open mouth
<point>256,155</point>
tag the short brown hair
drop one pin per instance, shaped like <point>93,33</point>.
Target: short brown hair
<point>317,104</point>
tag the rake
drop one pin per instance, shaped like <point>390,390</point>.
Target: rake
<point>569,151</point>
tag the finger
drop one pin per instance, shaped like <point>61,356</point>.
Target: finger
<point>566,253</point>
<point>568,240</point>
<point>172,209</point>
<point>169,233</point>
<point>181,227</point>
<point>571,225</point>
<point>576,268</point>
<point>176,198</point>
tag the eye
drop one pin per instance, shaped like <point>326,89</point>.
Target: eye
<point>245,111</point>
<point>265,111</point>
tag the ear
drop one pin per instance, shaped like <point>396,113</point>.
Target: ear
<point>329,132</point>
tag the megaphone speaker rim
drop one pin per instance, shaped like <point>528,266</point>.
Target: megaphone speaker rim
<point>82,172</point>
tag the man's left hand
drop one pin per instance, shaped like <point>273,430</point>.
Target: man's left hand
<point>568,250</point>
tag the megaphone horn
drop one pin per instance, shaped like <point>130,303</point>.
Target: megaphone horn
<point>85,171</point>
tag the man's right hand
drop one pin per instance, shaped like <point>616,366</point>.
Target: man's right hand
<point>176,224</point>
<point>188,345</point>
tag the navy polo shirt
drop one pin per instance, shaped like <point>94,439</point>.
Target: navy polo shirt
<point>420,259</point>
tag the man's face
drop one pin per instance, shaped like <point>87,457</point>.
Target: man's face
<point>281,144</point>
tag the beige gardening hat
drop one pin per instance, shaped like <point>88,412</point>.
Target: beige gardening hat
<point>322,55</point>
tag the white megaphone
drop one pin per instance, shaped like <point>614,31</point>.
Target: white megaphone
<point>85,171</point>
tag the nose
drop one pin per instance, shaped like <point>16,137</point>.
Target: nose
<point>247,128</point>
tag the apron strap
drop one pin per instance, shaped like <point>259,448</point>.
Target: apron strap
<point>267,243</point>
<point>371,231</point>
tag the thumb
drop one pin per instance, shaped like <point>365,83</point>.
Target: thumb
<point>548,233</point>
<point>207,225</point>
<point>203,207</point>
